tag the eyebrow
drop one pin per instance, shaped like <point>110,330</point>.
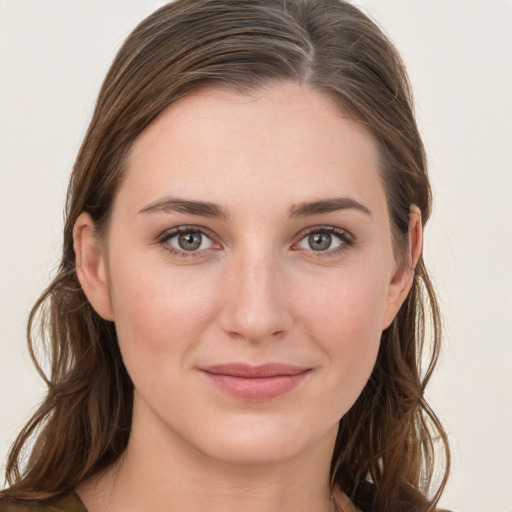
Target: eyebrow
<point>327,206</point>
<point>212,210</point>
<point>177,205</point>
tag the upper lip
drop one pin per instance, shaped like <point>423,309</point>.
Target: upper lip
<point>254,371</point>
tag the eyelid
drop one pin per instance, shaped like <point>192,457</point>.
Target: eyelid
<point>164,237</point>
<point>347,239</point>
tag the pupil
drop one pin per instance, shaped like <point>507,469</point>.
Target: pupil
<point>320,241</point>
<point>190,241</point>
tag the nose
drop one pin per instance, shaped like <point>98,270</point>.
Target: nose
<point>255,306</point>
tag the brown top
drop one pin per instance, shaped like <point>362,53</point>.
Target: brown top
<point>69,502</point>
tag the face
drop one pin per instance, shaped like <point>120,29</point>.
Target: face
<point>249,270</point>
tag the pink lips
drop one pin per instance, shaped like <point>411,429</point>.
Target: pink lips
<point>255,383</point>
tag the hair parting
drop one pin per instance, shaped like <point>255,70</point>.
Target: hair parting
<point>386,451</point>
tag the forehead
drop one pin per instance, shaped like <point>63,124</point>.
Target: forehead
<point>286,140</point>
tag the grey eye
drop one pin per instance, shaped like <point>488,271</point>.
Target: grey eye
<point>184,241</point>
<point>190,241</point>
<point>322,240</point>
<point>319,241</point>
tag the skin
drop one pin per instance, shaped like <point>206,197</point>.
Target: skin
<point>254,292</point>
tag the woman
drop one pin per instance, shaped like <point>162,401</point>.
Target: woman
<point>238,319</point>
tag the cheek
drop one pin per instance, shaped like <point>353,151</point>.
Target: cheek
<point>344,318</point>
<point>158,314</point>
<point>351,302</point>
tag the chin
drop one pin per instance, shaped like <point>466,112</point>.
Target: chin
<point>258,441</point>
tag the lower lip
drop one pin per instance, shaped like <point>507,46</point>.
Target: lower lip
<point>256,389</point>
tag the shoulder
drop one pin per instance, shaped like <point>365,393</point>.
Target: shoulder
<point>68,502</point>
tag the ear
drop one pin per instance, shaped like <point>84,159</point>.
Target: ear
<point>91,266</point>
<point>403,277</point>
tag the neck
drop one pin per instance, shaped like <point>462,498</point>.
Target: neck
<point>174,476</point>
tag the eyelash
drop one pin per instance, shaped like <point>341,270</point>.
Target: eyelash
<point>347,240</point>
<point>164,238</point>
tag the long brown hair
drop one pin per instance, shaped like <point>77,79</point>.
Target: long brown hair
<point>384,453</point>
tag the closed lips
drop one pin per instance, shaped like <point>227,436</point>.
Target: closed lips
<point>255,372</point>
<point>256,383</point>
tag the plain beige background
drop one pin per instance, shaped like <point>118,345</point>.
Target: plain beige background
<point>53,56</point>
